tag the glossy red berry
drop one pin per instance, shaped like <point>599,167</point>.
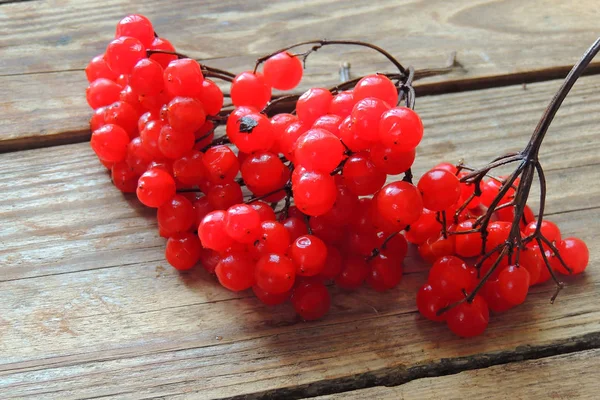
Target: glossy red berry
<point>183,78</point>
<point>354,272</point>
<point>449,276</point>
<point>123,53</point>
<point>137,26</point>
<point>314,192</point>
<point>513,284</point>
<point>211,97</point>
<point>319,150</point>
<point>109,142</point>
<point>250,89</point>
<point>283,71</point>
<point>575,254</point>
<point>385,274</point>
<point>252,132</point>
<point>275,273</point>
<point>221,164</point>
<point>186,114</point>
<point>468,244</point>
<point>400,128</point>
<point>342,104</point>
<point>243,223</point>
<point>311,300</point>
<point>366,116</point>
<point>313,104</point>
<point>147,77</point>
<point>213,232</point>
<point>98,68</point>
<point>400,202</point>
<point>155,188</point>
<point>175,144</point>
<point>440,189</point>
<point>361,175</point>
<point>309,254</point>
<point>162,44</point>
<point>235,271</point>
<point>102,92</point>
<point>183,251</point>
<point>176,215</point>
<point>378,86</point>
<point>469,319</point>
<point>223,196</point>
<point>429,302</point>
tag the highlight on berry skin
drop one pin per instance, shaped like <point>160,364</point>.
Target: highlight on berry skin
<point>299,196</point>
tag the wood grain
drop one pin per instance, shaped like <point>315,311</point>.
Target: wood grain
<point>86,298</point>
<point>43,50</point>
<point>560,377</point>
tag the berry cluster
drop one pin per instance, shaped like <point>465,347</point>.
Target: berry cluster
<point>473,272</point>
<point>225,202</point>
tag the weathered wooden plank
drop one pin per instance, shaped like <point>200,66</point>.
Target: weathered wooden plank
<point>87,299</point>
<point>561,377</point>
<point>517,44</point>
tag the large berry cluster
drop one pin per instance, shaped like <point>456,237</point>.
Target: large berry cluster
<point>226,202</point>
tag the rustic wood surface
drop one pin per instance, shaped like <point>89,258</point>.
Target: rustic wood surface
<point>561,377</point>
<point>89,308</point>
<point>44,46</point>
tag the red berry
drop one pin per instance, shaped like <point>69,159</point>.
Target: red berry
<point>440,189</point>
<point>175,144</point>
<point>423,228</point>
<point>513,284</point>
<point>354,272</point>
<point>468,244</point>
<point>236,272</point>
<point>378,86</point>
<point>250,89</point>
<point>162,44</point>
<point>124,178</point>
<point>155,187</point>
<point>123,53</point>
<point>183,78</point>
<point>186,114</point>
<point>295,227</point>
<point>243,223</point>
<point>189,169</point>
<point>449,276</point>
<point>124,115</point>
<point>469,319</point>
<point>147,77</point>
<point>366,115</point>
<point>436,247</point>
<point>262,172</point>
<point>313,104</point>
<point>311,300</point>
<point>213,233</point>
<point>493,297</point>
<point>308,253</point>
<point>223,196</point>
<point>102,92</point>
<point>252,132</point>
<point>385,274</point>
<point>361,176</point>
<point>109,142</point>
<point>400,128</point>
<point>221,164</point>
<point>330,123</point>
<point>319,150</point>
<point>342,104</point>
<point>137,26</point>
<point>183,251</point>
<point>548,229</point>
<point>314,193</point>
<point>283,71</point>
<point>429,302</point>
<point>575,254</point>
<point>532,261</point>
<point>400,202</point>
<point>176,215</point>
<point>211,97</point>
<point>98,68</point>
<point>264,210</point>
<point>390,161</point>
<point>275,273</point>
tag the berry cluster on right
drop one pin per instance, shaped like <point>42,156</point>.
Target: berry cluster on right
<point>473,271</point>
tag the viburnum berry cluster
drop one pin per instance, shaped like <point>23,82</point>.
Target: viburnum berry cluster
<point>297,193</point>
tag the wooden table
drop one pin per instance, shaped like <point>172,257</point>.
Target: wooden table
<point>90,309</point>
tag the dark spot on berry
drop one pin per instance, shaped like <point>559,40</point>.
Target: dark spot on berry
<point>247,124</point>
<point>384,158</point>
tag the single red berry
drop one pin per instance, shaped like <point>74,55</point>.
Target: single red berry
<point>494,299</point>
<point>212,231</point>
<point>296,227</point>
<point>390,161</point>
<point>109,142</point>
<point>468,244</point>
<point>102,92</point>
<point>123,53</point>
<point>424,227</point>
<point>313,104</point>
<point>243,223</point>
<point>314,193</point>
<point>252,132</point>
<point>189,169</point>
<point>183,78</point>
<point>449,276</point>
<point>342,104</point>
<point>275,273</point>
<point>124,115</point>
<point>366,115</point>
<point>361,175</point>
<point>155,187</point>
<point>378,86</point>
<point>264,210</point>
<point>532,261</point>
<point>349,137</point>
<point>176,215</point>
<point>221,164</point>
<point>354,272</point>
<point>469,319</point>
<point>162,44</point>
<point>436,247</point>
<point>286,142</point>
<point>400,128</point>
<point>319,150</point>
<point>149,136</point>
<point>429,302</point>
<point>274,238</point>
<point>137,26</point>
<point>575,254</point>
<point>186,114</point>
<point>211,97</point>
<point>124,178</point>
<point>223,196</point>
<point>311,300</point>
<point>308,253</point>
<point>385,274</point>
<point>440,189</point>
<point>236,272</point>
<point>548,229</point>
<point>262,171</point>
<point>98,68</point>
<point>147,77</point>
<point>250,89</point>
<point>183,251</point>
<point>513,284</point>
<point>283,71</point>
<point>400,202</point>
<point>330,123</point>
<point>175,144</point>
